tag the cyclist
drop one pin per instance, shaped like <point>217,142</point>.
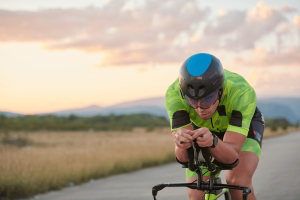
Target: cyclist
<point>220,105</point>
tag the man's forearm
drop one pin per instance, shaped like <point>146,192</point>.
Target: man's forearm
<point>228,150</point>
<point>181,154</point>
<point>224,152</point>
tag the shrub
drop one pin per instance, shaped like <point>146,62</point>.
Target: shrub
<point>150,128</point>
<point>284,126</point>
<point>16,141</point>
<point>273,127</point>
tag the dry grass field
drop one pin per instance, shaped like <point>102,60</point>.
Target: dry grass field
<point>52,160</point>
<point>56,159</point>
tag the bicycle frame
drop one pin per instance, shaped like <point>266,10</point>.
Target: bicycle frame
<point>211,186</point>
<point>213,196</point>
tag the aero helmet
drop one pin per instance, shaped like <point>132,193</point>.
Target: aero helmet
<point>201,80</point>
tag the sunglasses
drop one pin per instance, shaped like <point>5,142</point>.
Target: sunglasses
<point>203,103</point>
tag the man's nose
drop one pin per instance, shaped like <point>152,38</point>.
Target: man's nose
<point>198,109</point>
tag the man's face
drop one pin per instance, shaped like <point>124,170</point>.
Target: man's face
<point>207,113</point>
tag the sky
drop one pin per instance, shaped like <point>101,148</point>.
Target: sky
<point>57,55</point>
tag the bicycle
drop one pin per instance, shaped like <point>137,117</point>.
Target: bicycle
<point>213,187</point>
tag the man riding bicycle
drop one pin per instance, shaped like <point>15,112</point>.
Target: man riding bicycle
<point>220,106</point>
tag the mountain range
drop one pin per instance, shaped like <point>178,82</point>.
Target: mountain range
<point>288,108</point>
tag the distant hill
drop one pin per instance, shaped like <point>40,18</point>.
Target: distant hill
<point>154,106</point>
<point>153,102</point>
<point>9,114</point>
<point>277,110</point>
<point>83,112</point>
<point>287,108</point>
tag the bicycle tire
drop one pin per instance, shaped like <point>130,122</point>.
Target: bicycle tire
<point>227,196</point>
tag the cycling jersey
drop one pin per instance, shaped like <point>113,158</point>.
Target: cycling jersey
<point>234,113</point>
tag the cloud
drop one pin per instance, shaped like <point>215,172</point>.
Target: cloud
<point>259,57</point>
<point>268,83</point>
<point>240,30</point>
<point>244,31</point>
<point>286,8</point>
<point>296,22</point>
<point>153,32</point>
<point>127,36</point>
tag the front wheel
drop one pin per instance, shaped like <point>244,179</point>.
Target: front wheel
<point>227,195</point>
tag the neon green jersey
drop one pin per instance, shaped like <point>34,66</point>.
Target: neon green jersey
<point>234,112</point>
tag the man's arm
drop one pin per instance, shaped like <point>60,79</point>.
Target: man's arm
<point>182,135</point>
<point>227,151</point>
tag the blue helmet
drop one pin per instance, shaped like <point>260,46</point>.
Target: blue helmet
<point>201,76</point>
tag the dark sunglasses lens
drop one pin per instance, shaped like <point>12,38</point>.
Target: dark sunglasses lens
<point>192,102</point>
<point>209,100</point>
<point>203,103</point>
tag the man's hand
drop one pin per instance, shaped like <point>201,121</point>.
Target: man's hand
<point>183,138</point>
<point>206,140</point>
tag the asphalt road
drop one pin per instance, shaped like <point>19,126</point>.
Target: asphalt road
<point>277,177</point>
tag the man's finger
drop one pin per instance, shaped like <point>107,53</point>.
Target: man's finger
<point>181,142</point>
<point>188,136</point>
<point>199,132</point>
<point>190,132</point>
<point>184,145</point>
<point>184,139</point>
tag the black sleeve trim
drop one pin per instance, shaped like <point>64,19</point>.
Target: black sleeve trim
<point>180,118</point>
<point>184,164</point>
<point>221,110</point>
<point>236,118</point>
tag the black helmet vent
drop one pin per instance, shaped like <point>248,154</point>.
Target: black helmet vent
<point>201,91</point>
<point>191,90</point>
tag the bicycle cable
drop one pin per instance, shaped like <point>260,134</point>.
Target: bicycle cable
<point>203,196</point>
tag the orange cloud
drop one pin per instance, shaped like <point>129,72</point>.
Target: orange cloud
<point>261,12</point>
<point>260,57</point>
<point>131,35</point>
<point>157,32</point>
<point>296,21</point>
<point>274,83</point>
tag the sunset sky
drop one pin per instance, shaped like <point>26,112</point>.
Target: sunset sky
<point>57,55</point>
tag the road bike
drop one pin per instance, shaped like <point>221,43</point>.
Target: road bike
<point>213,187</point>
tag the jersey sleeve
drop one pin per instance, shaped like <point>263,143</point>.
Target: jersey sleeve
<point>176,109</point>
<point>242,108</point>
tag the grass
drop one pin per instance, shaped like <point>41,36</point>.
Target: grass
<point>54,160</point>
<point>36,162</point>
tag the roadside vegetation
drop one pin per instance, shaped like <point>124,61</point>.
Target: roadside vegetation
<point>36,162</point>
<point>36,158</point>
<point>75,123</point>
<point>279,123</point>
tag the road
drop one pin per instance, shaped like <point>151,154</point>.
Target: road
<point>277,177</point>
